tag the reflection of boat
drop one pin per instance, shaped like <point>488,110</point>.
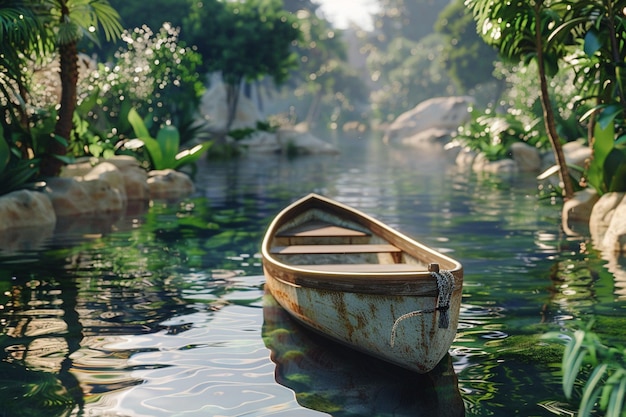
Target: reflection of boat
<point>328,377</point>
<point>356,280</point>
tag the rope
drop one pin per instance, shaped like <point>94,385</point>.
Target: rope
<point>445,286</point>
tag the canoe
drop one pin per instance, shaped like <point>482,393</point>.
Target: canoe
<point>359,282</point>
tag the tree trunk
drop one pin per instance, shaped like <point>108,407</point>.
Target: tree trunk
<point>548,115</point>
<point>50,164</point>
<point>232,101</point>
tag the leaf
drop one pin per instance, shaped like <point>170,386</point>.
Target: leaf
<point>592,388</point>
<point>5,152</point>
<point>592,43</point>
<point>139,127</point>
<point>151,145</point>
<point>608,115</point>
<point>602,146</point>
<point>169,141</point>
<point>615,170</point>
<point>616,403</point>
<point>554,169</point>
<point>573,357</point>
<point>190,156</point>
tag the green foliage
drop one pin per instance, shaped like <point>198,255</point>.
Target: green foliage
<point>514,28</point>
<point>246,41</point>
<point>163,150</point>
<point>493,134</point>
<point>154,73</point>
<point>239,134</point>
<point>328,88</point>
<point>605,386</point>
<point>468,59</point>
<point>607,170</point>
<point>22,35</point>
<point>253,40</point>
<point>15,173</point>
<point>408,19</point>
<point>410,72</point>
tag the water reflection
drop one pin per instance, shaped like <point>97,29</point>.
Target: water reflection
<point>333,379</point>
<point>160,313</point>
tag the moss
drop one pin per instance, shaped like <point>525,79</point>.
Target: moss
<point>529,349</point>
<point>317,402</point>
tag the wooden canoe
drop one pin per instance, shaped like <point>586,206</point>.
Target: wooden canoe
<point>356,280</point>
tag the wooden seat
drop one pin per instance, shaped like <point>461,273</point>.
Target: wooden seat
<point>320,229</point>
<point>359,268</point>
<point>334,249</point>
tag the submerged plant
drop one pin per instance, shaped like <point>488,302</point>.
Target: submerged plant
<point>605,386</point>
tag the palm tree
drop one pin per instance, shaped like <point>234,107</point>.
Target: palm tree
<point>70,20</point>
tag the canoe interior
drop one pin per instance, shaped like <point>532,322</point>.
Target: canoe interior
<point>323,241</point>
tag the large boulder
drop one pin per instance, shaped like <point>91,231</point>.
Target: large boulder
<point>169,184</point>
<point>77,197</point>
<point>607,223</point>
<point>438,117</point>
<point>134,176</point>
<point>27,219</point>
<point>527,157</point>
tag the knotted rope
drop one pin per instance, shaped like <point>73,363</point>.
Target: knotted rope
<point>445,286</point>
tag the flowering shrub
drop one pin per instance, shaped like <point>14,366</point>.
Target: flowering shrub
<point>155,74</point>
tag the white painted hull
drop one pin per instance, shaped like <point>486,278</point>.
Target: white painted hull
<point>387,306</point>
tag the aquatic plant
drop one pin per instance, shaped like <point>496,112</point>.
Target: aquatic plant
<point>605,386</point>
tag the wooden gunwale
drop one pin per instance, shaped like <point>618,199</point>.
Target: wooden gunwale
<point>373,282</point>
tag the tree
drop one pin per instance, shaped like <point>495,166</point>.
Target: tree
<point>22,36</point>
<point>520,31</point>
<point>468,59</point>
<point>409,19</point>
<point>69,21</point>
<point>246,41</point>
<point>595,31</point>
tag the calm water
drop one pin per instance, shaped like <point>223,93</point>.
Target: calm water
<point>162,313</point>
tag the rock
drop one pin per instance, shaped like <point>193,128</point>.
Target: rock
<point>427,136</point>
<point>303,141</point>
<point>135,177</point>
<point>465,158</point>
<point>527,158</point>
<point>576,212</point>
<point>25,208</point>
<point>214,110</point>
<point>502,166</point>
<point>615,236</point>
<point>75,197</point>
<point>261,142</point>
<point>107,172</point>
<point>607,224</point>
<point>576,153</point>
<point>602,216</point>
<point>168,183</point>
<point>442,113</point>
<point>27,219</point>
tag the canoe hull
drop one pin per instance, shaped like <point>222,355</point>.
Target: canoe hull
<point>392,305</point>
<point>364,322</point>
